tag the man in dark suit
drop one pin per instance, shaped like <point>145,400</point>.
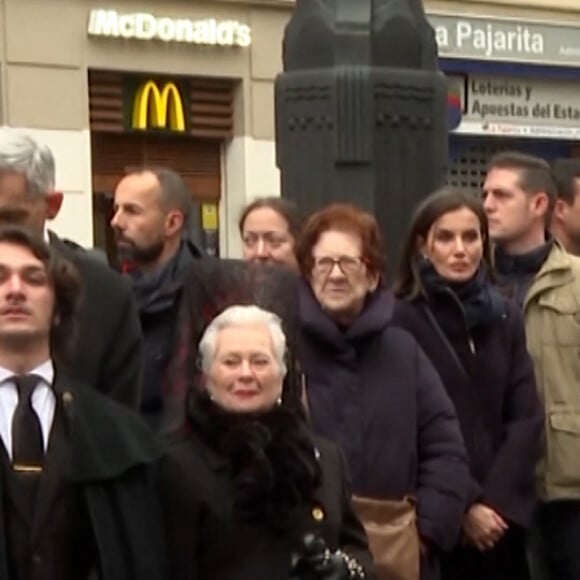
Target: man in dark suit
<point>108,353</point>
<point>76,489</point>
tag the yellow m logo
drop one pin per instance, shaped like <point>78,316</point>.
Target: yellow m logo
<point>152,107</point>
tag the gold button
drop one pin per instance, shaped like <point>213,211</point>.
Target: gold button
<point>67,398</point>
<point>317,514</point>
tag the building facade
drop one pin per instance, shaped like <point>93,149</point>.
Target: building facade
<point>115,84</point>
<point>513,83</point>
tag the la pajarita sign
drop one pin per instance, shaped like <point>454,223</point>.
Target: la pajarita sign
<point>519,105</point>
<point>489,40</point>
<point>478,37</point>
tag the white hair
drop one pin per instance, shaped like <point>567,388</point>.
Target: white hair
<point>22,154</point>
<point>243,316</point>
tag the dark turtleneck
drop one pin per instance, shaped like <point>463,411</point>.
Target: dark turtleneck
<point>271,457</point>
<point>516,272</point>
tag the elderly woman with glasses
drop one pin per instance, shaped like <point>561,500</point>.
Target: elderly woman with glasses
<point>250,493</point>
<point>369,386</point>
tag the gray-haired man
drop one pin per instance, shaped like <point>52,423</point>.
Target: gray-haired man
<point>108,350</point>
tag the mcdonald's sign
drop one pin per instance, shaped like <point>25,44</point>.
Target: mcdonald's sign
<point>158,108</point>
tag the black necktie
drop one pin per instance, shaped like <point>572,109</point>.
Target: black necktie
<point>27,446</point>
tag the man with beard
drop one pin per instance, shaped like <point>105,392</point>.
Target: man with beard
<point>152,210</point>
<point>566,217</point>
<point>108,352</point>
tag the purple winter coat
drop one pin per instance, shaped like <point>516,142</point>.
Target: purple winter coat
<point>373,391</point>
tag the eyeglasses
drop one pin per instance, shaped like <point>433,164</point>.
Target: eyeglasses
<point>269,239</point>
<point>348,264</point>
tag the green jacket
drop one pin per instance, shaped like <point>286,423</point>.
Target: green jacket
<point>552,318</point>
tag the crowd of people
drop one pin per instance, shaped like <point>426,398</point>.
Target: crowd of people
<point>291,416</point>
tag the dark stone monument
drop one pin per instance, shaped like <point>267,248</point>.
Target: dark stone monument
<point>361,109</point>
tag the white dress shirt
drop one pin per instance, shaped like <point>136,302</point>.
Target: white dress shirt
<point>43,402</point>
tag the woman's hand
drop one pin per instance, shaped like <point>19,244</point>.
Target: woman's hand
<point>483,527</point>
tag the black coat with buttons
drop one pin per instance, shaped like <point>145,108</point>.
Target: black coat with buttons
<point>206,542</point>
<point>102,461</point>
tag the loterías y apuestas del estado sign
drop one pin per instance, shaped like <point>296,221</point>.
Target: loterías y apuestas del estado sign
<point>145,26</point>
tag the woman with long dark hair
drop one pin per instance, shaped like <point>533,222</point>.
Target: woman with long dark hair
<point>475,338</point>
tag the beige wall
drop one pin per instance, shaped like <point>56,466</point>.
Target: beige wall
<point>44,74</point>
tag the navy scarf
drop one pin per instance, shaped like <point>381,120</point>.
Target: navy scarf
<point>155,291</point>
<point>481,302</point>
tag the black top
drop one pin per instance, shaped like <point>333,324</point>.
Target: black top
<point>515,273</point>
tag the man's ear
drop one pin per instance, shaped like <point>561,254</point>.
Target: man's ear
<point>540,203</point>
<point>174,222</point>
<point>560,210</point>
<point>53,204</point>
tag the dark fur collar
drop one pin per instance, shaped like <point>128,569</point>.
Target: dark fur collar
<point>271,457</point>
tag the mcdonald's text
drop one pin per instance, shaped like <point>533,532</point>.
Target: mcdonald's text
<point>144,26</point>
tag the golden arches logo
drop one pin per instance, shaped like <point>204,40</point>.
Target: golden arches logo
<point>158,108</point>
